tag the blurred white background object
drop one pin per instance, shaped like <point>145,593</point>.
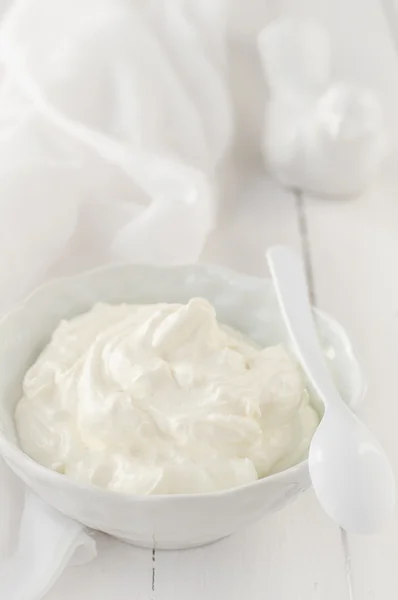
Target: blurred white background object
<point>321,136</point>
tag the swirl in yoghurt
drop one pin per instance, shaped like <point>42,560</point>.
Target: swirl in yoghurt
<point>162,399</point>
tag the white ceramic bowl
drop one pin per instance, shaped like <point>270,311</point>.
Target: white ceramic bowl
<point>174,521</point>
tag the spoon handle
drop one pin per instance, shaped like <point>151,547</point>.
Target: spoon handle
<point>291,289</point>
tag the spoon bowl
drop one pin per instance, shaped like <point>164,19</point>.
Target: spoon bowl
<point>345,456</point>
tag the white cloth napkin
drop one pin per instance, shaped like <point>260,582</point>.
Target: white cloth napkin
<point>46,543</point>
<point>114,117</point>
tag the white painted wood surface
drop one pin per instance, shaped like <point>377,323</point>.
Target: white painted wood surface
<point>351,250</point>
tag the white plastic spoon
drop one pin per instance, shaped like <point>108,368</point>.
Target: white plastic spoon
<point>350,472</point>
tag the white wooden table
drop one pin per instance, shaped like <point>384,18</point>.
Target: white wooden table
<point>351,252</point>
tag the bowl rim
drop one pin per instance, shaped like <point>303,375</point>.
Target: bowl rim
<point>12,453</point>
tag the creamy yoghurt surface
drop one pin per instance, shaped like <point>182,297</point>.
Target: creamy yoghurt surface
<point>162,399</point>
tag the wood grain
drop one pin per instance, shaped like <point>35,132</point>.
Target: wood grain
<point>354,255</point>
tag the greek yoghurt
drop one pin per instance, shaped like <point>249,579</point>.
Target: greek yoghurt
<point>162,399</point>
